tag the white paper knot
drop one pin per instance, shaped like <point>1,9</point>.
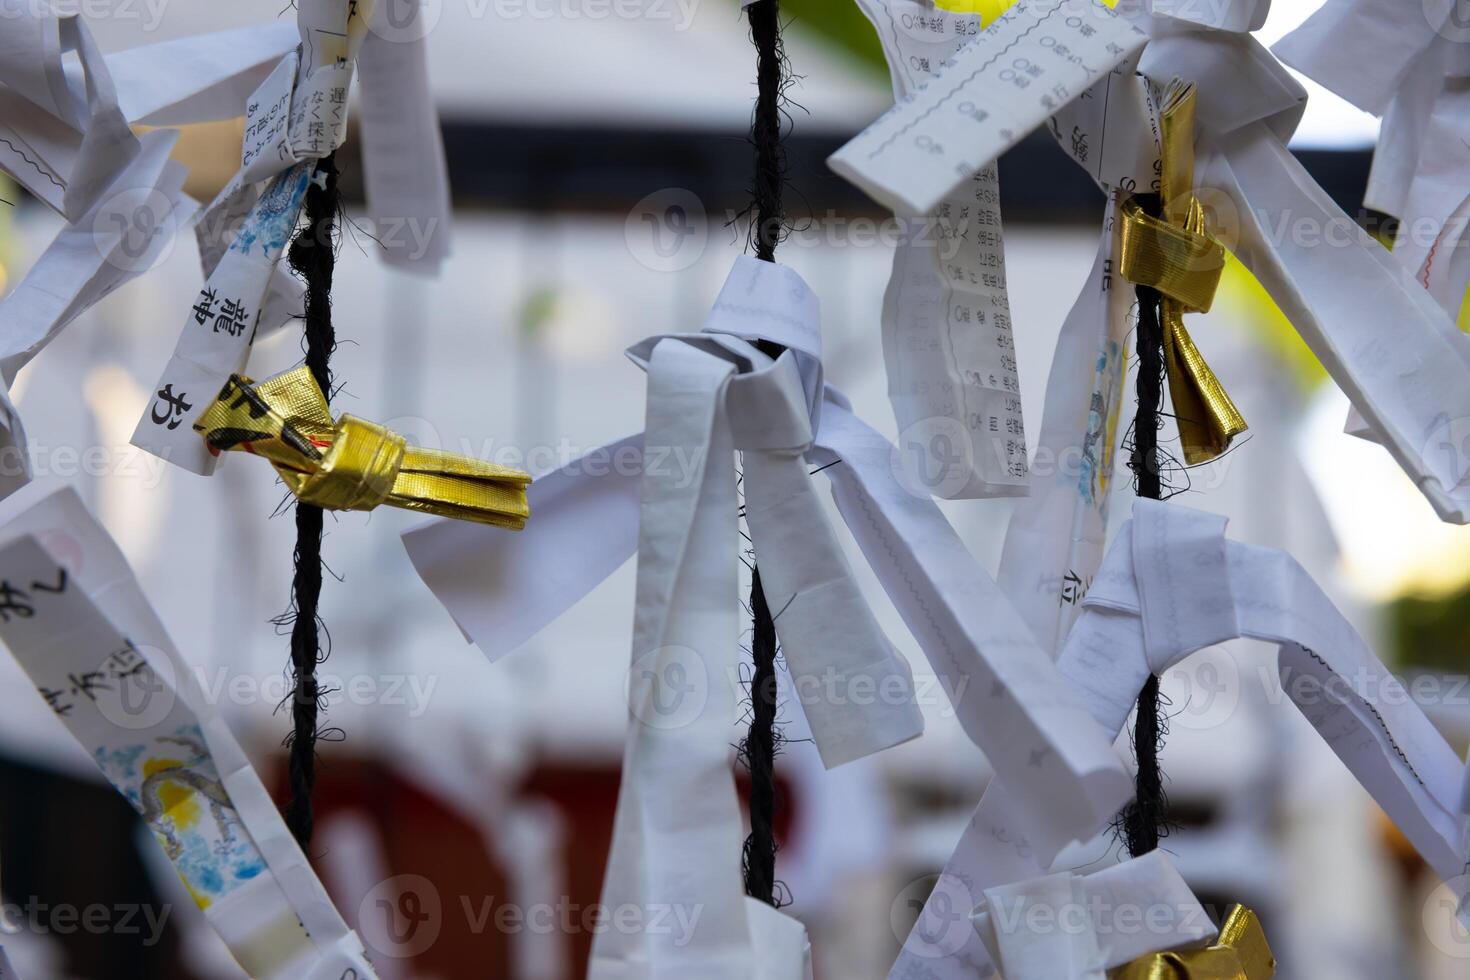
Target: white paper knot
<point>1078,926</point>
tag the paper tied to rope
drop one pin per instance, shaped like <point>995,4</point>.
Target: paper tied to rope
<point>75,619</point>
<point>1176,256</point>
<point>1078,926</point>
<point>1140,618</point>
<point>354,464</point>
<point>1006,692</point>
<point>299,112</point>
<point>1339,287</point>
<point>294,118</point>
<point>65,135</point>
<point>678,829</point>
<point>769,410</point>
<point>1409,71</point>
<point>1242,953</point>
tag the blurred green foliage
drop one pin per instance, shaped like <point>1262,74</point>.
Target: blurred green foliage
<point>840,23</point>
<point>1432,633</point>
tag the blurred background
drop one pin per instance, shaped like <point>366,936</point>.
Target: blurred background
<point>598,159</point>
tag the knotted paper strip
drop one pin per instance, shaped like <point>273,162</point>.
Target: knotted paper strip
<point>1334,283</point>
<point>1196,589</point>
<point>65,135</point>
<point>1007,694</point>
<point>677,835</point>
<point>1079,926</point>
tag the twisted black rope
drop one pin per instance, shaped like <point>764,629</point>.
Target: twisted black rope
<point>312,257</point>
<point>1145,820</point>
<point>762,739</point>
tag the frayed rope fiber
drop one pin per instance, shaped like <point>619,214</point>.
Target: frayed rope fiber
<point>1146,819</point>
<point>313,258</point>
<point>763,739</point>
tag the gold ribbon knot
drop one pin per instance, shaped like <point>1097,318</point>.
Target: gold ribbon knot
<point>355,464</point>
<point>1240,953</point>
<point>1178,258</point>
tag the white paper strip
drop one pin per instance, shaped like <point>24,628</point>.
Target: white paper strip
<point>73,616</point>
<point>1006,692</point>
<point>1335,284</point>
<point>1079,926</point>
<point>1411,385</point>
<point>1352,700</point>
<point>677,835</point>
<point>1112,132</point>
<point>1034,59</point>
<point>1055,539</point>
<point>221,326</point>
<point>296,116</point>
<point>406,177</point>
<point>947,341</point>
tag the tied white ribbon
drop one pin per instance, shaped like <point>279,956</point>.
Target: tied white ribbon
<point>1079,926</point>
<point>65,136</point>
<point>1335,284</point>
<point>677,834</point>
<point>1409,70</point>
<point>592,514</point>
<point>767,410</point>
<point>1195,589</point>
<point>1407,67</point>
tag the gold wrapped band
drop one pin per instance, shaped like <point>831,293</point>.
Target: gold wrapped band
<point>1176,256</point>
<point>1240,953</point>
<point>1183,265</point>
<point>355,464</point>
